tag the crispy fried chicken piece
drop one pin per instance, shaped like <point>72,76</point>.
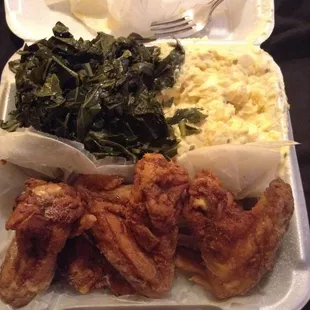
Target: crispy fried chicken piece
<point>137,231</point>
<point>106,189</point>
<point>82,265</point>
<point>98,182</point>
<point>237,246</point>
<point>189,260</point>
<point>185,237</point>
<point>43,219</point>
<point>85,268</point>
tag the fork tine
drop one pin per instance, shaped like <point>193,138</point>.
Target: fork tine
<point>172,20</point>
<point>183,23</point>
<point>177,19</point>
<point>182,34</point>
<point>174,31</point>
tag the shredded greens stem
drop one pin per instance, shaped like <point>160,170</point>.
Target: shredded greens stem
<point>131,156</point>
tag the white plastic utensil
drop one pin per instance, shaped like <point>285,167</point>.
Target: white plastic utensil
<point>187,23</point>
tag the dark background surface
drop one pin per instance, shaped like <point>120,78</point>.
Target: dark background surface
<point>289,45</point>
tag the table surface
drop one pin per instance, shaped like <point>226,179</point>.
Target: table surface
<point>289,44</point>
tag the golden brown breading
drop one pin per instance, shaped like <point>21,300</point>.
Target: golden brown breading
<point>137,231</point>
<point>85,268</point>
<point>237,246</point>
<point>82,265</point>
<point>84,223</point>
<point>98,182</point>
<point>185,237</point>
<point>189,260</point>
<point>43,219</point>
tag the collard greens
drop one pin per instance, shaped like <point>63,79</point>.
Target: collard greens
<point>101,92</point>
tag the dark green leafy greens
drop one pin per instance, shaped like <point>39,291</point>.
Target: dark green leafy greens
<point>192,115</point>
<point>183,117</point>
<point>187,129</point>
<point>100,92</point>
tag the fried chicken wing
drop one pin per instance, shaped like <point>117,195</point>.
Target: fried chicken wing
<point>185,237</point>
<point>237,246</point>
<point>85,268</point>
<point>43,219</point>
<point>189,260</point>
<point>98,182</point>
<point>137,226</point>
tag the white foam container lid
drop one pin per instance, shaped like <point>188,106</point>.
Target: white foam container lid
<point>233,22</point>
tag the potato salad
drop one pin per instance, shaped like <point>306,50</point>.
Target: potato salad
<point>234,87</point>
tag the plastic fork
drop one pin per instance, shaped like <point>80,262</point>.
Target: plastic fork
<point>187,23</point>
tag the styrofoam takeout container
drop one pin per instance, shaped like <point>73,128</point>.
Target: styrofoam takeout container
<point>234,22</point>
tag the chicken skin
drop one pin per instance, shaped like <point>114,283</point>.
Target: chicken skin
<point>137,225</point>
<point>85,268</point>
<point>98,182</point>
<point>237,247</point>
<point>43,218</point>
